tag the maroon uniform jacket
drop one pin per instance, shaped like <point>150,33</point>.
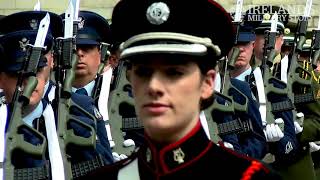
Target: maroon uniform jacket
<point>192,157</point>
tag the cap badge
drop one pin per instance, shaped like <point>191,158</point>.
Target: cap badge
<point>266,17</point>
<point>158,13</point>
<point>178,155</point>
<point>23,44</point>
<point>33,24</point>
<point>287,31</point>
<point>81,22</point>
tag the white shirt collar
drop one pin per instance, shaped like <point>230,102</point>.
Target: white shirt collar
<point>89,88</point>
<point>242,76</point>
<point>36,113</point>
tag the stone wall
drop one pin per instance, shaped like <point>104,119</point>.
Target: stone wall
<point>104,7</point>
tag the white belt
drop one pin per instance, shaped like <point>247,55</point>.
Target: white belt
<point>261,94</point>
<point>103,101</point>
<point>55,156</point>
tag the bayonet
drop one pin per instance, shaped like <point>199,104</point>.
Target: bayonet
<point>274,22</point>
<point>238,14</point>
<point>37,6</point>
<point>76,6</point>
<point>38,45</point>
<point>68,20</point>
<point>42,31</point>
<point>307,10</point>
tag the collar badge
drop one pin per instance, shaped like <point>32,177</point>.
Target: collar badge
<point>178,156</point>
<point>148,155</point>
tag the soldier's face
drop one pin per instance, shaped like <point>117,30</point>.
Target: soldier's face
<point>8,82</point>
<point>167,94</point>
<point>89,60</point>
<point>259,45</point>
<point>114,59</point>
<point>246,51</point>
<point>49,67</point>
<point>260,42</point>
<point>36,96</point>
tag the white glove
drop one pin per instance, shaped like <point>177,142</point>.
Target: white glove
<point>128,143</point>
<point>123,156</point>
<point>300,115</point>
<point>228,145</point>
<point>314,146</point>
<point>273,132</point>
<point>117,157</point>
<point>297,128</point>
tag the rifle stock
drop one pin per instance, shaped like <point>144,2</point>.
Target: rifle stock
<point>66,136</point>
<point>118,97</point>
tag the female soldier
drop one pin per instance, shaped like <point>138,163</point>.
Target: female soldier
<point>173,52</point>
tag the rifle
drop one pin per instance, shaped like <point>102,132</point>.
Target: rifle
<point>303,94</point>
<point>229,107</point>
<point>104,57</point>
<point>14,136</point>
<point>228,88</point>
<point>237,125</point>
<point>118,99</point>
<point>269,81</point>
<point>66,65</point>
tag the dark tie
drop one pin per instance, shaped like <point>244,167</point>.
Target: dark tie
<point>39,125</point>
<point>82,91</point>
